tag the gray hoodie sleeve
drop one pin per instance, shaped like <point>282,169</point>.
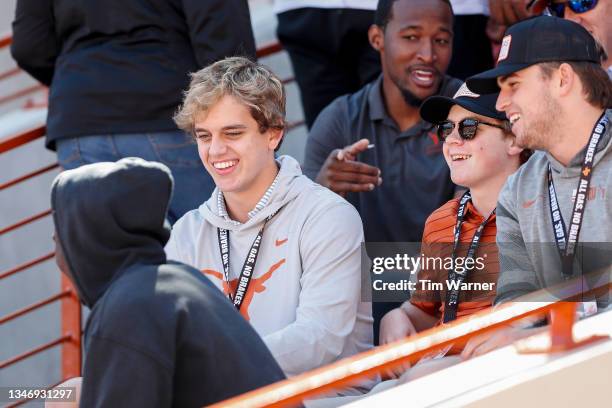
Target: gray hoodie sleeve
<point>330,295</point>
<point>516,276</point>
<point>175,248</point>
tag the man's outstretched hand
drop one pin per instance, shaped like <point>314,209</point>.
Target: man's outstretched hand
<point>341,172</point>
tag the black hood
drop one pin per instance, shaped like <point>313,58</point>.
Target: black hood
<point>108,217</point>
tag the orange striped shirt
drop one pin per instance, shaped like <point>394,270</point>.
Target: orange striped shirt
<point>438,243</point>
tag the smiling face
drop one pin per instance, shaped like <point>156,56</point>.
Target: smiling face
<point>416,47</point>
<point>474,163</point>
<point>237,155</point>
<point>525,97</point>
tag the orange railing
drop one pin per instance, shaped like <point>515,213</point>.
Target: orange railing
<point>70,337</point>
<point>70,334</point>
<point>346,372</point>
<point>5,41</point>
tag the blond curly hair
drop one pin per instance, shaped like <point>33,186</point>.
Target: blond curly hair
<point>251,83</point>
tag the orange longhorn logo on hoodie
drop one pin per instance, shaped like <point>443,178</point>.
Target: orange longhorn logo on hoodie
<point>256,286</point>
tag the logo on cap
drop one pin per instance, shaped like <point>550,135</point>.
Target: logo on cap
<point>465,91</point>
<point>505,48</point>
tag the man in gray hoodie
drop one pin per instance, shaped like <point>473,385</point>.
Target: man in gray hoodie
<point>284,250</point>
<point>554,218</point>
<point>159,333</point>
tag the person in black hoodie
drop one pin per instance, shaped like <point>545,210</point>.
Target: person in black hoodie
<point>160,334</point>
<point>116,70</point>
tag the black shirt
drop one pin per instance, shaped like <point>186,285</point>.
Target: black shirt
<point>416,178</point>
<point>120,66</point>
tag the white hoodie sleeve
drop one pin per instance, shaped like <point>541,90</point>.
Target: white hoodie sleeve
<point>331,285</point>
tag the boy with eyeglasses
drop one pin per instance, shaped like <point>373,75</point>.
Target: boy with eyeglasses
<point>481,153</point>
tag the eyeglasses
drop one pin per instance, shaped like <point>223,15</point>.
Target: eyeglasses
<point>467,128</point>
<point>577,6</point>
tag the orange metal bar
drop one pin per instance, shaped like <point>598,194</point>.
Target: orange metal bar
<point>34,306</point>
<point>295,124</point>
<point>26,265</point>
<point>29,176</point>
<point>562,319</point>
<point>10,143</point>
<point>71,327</point>
<point>21,93</point>
<point>36,350</point>
<point>347,371</point>
<point>269,49</point>
<point>562,322</point>
<point>10,73</point>
<point>288,80</point>
<point>6,40</point>
<point>25,221</point>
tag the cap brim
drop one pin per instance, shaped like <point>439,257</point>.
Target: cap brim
<point>435,109</point>
<point>486,82</point>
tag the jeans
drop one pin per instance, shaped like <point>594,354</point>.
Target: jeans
<point>177,150</point>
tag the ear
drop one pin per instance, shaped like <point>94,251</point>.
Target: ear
<point>512,148</point>
<point>567,79</point>
<point>377,37</point>
<point>274,137</point>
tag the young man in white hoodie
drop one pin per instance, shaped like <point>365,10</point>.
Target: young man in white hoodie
<point>284,250</point>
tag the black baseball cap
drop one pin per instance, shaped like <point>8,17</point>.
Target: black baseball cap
<point>535,40</point>
<point>435,108</point>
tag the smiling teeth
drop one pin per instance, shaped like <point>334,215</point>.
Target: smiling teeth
<point>460,156</point>
<point>423,74</point>
<point>225,164</point>
<point>514,118</point>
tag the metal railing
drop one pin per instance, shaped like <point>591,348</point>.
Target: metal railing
<point>69,339</point>
<point>5,42</point>
<point>346,372</point>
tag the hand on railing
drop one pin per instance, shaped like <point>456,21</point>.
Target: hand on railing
<point>488,342</point>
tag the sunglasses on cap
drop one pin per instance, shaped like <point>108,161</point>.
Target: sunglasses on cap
<point>577,6</point>
<point>467,128</point>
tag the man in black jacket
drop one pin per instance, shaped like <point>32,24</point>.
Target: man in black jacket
<point>116,70</point>
<point>160,334</point>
